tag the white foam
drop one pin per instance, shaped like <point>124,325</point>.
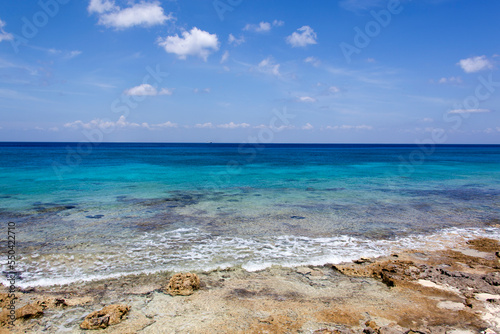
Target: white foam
<point>190,249</point>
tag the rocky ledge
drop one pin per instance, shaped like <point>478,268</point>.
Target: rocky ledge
<point>447,291</point>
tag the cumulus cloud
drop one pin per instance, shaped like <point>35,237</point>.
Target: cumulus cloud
<point>4,36</point>
<point>350,127</point>
<point>101,6</point>
<point>121,123</point>
<point>146,90</point>
<point>208,125</point>
<point>235,41</point>
<point>302,37</point>
<point>141,14</point>
<point>306,99</point>
<point>308,126</point>
<point>268,66</point>
<point>475,64</point>
<point>469,111</point>
<point>261,27</point>
<point>233,125</point>
<point>192,43</point>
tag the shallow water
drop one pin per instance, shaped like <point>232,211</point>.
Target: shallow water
<point>126,208</point>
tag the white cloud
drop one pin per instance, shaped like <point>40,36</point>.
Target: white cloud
<point>146,90</point>
<point>313,61</point>
<point>140,14</point>
<point>333,90</point>
<point>261,27</point>
<point>356,5</point>
<point>475,64</point>
<point>350,127</point>
<point>428,120</point>
<point>4,36</point>
<point>236,41</point>
<point>305,37</point>
<point>233,125</point>
<point>224,57</point>
<point>278,23</point>
<point>308,126</point>
<point>121,123</point>
<point>192,43</point>
<point>268,66</point>
<point>101,6</point>
<point>65,54</point>
<point>450,80</point>
<point>205,126</point>
<point>468,111</point>
<point>306,99</point>
<point>165,125</point>
<point>165,91</point>
<point>204,90</point>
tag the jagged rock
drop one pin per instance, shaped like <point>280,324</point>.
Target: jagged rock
<point>29,311</point>
<point>4,299</point>
<point>183,284</point>
<point>51,303</point>
<point>107,316</point>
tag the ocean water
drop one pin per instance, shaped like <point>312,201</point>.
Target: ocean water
<point>88,212</point>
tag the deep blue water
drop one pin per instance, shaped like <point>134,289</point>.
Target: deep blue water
<point>118,208</point>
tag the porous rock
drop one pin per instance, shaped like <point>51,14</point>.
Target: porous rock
<point>183,284</point>
<point>29,311</point>
<point>107,316</point>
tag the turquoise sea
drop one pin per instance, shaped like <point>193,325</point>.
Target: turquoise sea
<point>88,211</point>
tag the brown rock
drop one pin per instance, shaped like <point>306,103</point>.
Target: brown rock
<point>183,284</point>
<point>109,315</point>
<point>29,311</point>
<point>4,299</point>
<point>51,303</point>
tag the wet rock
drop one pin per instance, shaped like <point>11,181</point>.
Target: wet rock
<point>107,316</point>
<point>29,311</point>
<point>183,284</point>
<point>363,260</point>
<point>95,217</point>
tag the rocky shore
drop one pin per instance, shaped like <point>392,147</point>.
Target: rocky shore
<point>446,291</point>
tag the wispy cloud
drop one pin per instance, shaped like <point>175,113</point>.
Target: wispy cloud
<point>269,66</point>
<point>4,36</point>
<point>302,37</point>
<point>469,111</point>
<point>192,43</point>
<point>235,41</point>
<point>350,127</point>
<point>306,99</point>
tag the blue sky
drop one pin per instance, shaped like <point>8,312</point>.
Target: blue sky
<point>349,71</point>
